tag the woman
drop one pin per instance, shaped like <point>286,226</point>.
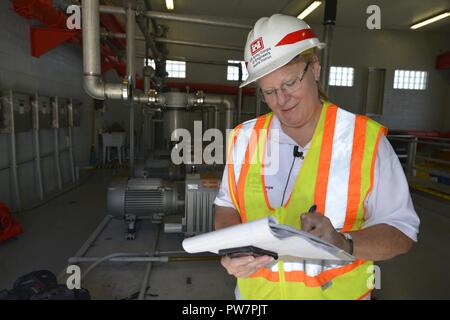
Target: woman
<point>330,161</point>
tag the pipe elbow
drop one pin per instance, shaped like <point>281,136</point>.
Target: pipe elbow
<point>229,104</point>
<point>94,87</point>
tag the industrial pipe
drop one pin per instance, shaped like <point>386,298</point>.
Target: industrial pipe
<point>93,83</point>
<point>227,102</point>
<point>329,21</point>
<point>212,21</point>
<point>131,68</point>
<point>150,43</point>
<point>198,44</point>
<point>177,42</point>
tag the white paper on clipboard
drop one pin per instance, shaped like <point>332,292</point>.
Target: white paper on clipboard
<point>289,243</point>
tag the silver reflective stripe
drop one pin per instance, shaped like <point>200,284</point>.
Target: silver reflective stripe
<point>240,147</point>
<point>311,268</point>
<point>337,189</point>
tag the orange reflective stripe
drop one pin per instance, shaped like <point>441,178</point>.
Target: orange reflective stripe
<point>309,281</point>
<point>322,278</point>
<point>365,295</point>
<point>249,153</point>
<point>323,171</point>
<point>231,176</point>
<point>266,274</point>
<point>354,188</point>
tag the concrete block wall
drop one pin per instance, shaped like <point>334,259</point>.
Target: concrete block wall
<point>56,73</point>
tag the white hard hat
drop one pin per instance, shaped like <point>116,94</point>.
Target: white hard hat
<point>275,41</point>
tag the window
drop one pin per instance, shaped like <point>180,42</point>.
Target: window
<point>175,69</point>
<point>151,63</point>
<point>409,79</point>
<point>233,72</point>
<point>341,77</point>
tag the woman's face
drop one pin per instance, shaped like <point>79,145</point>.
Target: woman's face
<point>297,103</point>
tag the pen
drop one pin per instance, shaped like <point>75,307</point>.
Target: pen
<point>312,209</point>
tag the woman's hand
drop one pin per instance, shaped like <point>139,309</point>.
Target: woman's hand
<point>244,267</point>
<point>320,226</point>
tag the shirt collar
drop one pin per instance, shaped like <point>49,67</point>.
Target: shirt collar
<point>276,134</point>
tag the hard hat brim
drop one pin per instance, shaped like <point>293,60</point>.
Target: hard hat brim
<point>274,66</point>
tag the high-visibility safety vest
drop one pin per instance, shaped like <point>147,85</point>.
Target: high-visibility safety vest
<point>336,175</point>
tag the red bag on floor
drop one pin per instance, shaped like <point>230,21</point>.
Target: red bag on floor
<point>8,227</point>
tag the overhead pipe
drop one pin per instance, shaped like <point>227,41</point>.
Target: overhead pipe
<point>208,62</point>
<point>177,42</point>
<point>198,44</point>
<point>211,21</point>
<point>93,83</point>
<point>211,88</point>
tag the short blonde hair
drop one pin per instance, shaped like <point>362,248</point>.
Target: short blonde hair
<point>307,55</point>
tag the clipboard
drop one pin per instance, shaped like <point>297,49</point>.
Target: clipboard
<point>290,244</point>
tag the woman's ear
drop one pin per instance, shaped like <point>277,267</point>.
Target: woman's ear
<point>317,74</point>
<point>316,68</point>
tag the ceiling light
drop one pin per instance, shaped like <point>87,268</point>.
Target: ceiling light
<point>431,20</point>
<point>310,9</point>
<point>169,4</point>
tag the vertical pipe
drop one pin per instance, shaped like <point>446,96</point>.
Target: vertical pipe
<point>228,118</point>
<point>37,151</point>
<point>258,103</point>
<point>70,131</point>
<point>205,124</point>
<point>71,159</point>
<point>55,107</point>
<point>147,73</point>
<point>216,117</point>
<point>13,155</point>
<point>412,151</point>
<point>239,106</point>
<point>329,20</point>
<point>239,101</point>
<point>324,71</point>
<point>131,67</point>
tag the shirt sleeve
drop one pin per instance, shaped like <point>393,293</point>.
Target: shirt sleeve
<point>223,198</point>
<point>389,201</point>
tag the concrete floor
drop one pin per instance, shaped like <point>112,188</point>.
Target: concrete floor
<point>55,232</point>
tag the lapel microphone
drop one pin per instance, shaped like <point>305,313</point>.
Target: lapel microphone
<point>298,154</point>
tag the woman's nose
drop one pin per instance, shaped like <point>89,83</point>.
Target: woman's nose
<point>281,97</point>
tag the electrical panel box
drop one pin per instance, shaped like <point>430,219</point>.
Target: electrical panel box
<point>5,114</point>
<point>63,110</point>
<point>74,108</point>
<point>15,112</point>
<point>45,112</point>
<point>55,113</point>
<point>42,113</point>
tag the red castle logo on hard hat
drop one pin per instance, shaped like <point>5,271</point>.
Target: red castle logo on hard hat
<point>256,46</point>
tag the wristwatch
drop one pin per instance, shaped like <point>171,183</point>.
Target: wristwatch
<point>349,238</point>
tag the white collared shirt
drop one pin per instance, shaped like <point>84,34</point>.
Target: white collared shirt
<point>389,201</point>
